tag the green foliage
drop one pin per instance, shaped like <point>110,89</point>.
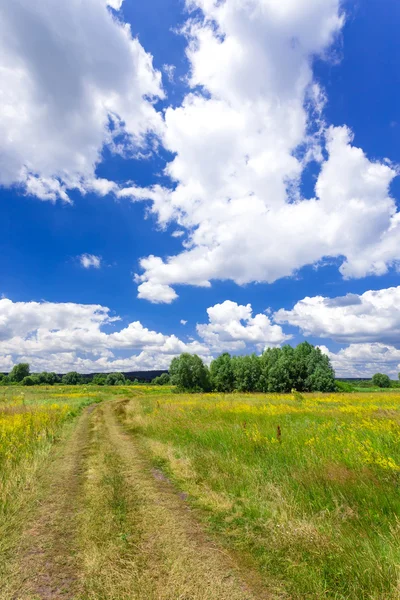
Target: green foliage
<point>4,379</point>
<point>279,370</point>
<point>29,380</point>
<point>189,373</point>
<point>247,372</point>
<point>99,379</point>
<point>48,378</point>
<point>221,374</point>
<point>381,380</point>
<point>344,386</point>
<point>19,372</point>
<point>72,378</point>
<point>161,379</point>
<point>115,379</point>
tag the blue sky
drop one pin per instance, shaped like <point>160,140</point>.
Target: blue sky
<point>230,165</point>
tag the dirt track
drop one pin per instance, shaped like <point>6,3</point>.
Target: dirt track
<point>108,526</point>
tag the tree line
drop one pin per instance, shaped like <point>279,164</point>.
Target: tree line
<point>303,368</point>
<point>21,375</point>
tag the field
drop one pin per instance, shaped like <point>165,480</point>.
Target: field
<point>148,494</point>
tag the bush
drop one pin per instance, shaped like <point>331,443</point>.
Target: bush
<point>29,380</point>
<point>381,380</point>
<point>343,386</point>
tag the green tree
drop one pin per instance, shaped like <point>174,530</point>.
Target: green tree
<point>48,378</point>
<point>247,372</point>
<point>189,373</point>
<point>30,380</point>
<point>115,379</point>
<point>162,379</point>
<point>268,359</point>
<point>99,379</point>
<point>221,374</point>
<point>71,378</point>
<point>381,380</point>
<point>19,372</point>
<point>304,368</point>
<point>321,376</point>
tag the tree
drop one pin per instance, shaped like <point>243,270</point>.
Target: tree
<point>72,378</point>
<point>162,379</point>
<point>99,379</point>
<point>189,373</point>
<point>48,378</point>
<point>247,372</point>
<point>304,368</point>
<point>321,376</point>
<point>221,374</point>
<point>381,380</point>
<point>267,360</point>
<point>115,379</point>
<point>19,372</point>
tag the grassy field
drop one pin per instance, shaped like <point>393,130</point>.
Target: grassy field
<point>300,495</point>
<point>307,488</point>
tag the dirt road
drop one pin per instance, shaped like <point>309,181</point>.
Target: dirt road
<point>110,527</point>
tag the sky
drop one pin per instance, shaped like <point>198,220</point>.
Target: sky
<point>199,176</point>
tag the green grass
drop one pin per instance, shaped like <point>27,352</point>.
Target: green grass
<point>316,509</point>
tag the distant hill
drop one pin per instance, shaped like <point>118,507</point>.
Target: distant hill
<point>132,375</point>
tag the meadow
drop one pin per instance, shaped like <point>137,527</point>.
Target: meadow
<point>302,490</point>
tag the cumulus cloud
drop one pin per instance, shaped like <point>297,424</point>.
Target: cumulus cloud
<point>232,327</point>
<point>66,336</point>
<point>90,260</point>
<point>183,322</point>
<point>241,140</point>
<point>72,79</point>
<point>370,317</point>
<point>364,360</point>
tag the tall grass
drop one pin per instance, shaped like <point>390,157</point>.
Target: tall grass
<point>305,487</point>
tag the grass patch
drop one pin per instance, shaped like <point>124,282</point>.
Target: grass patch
<point>315,503</point>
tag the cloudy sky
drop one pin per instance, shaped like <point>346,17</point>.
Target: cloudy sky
<point>201,176</point>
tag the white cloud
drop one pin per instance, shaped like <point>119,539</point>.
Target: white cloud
<point>115,4</point>
<point>232,327</point>
<point>90,260</point>
<point>67,336</point>
<point>370,317</point>
<point>240,150</point>
<point>183,322</point>
<point>169,70</point>
<point>364,360</point>
<point>72,78</point>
